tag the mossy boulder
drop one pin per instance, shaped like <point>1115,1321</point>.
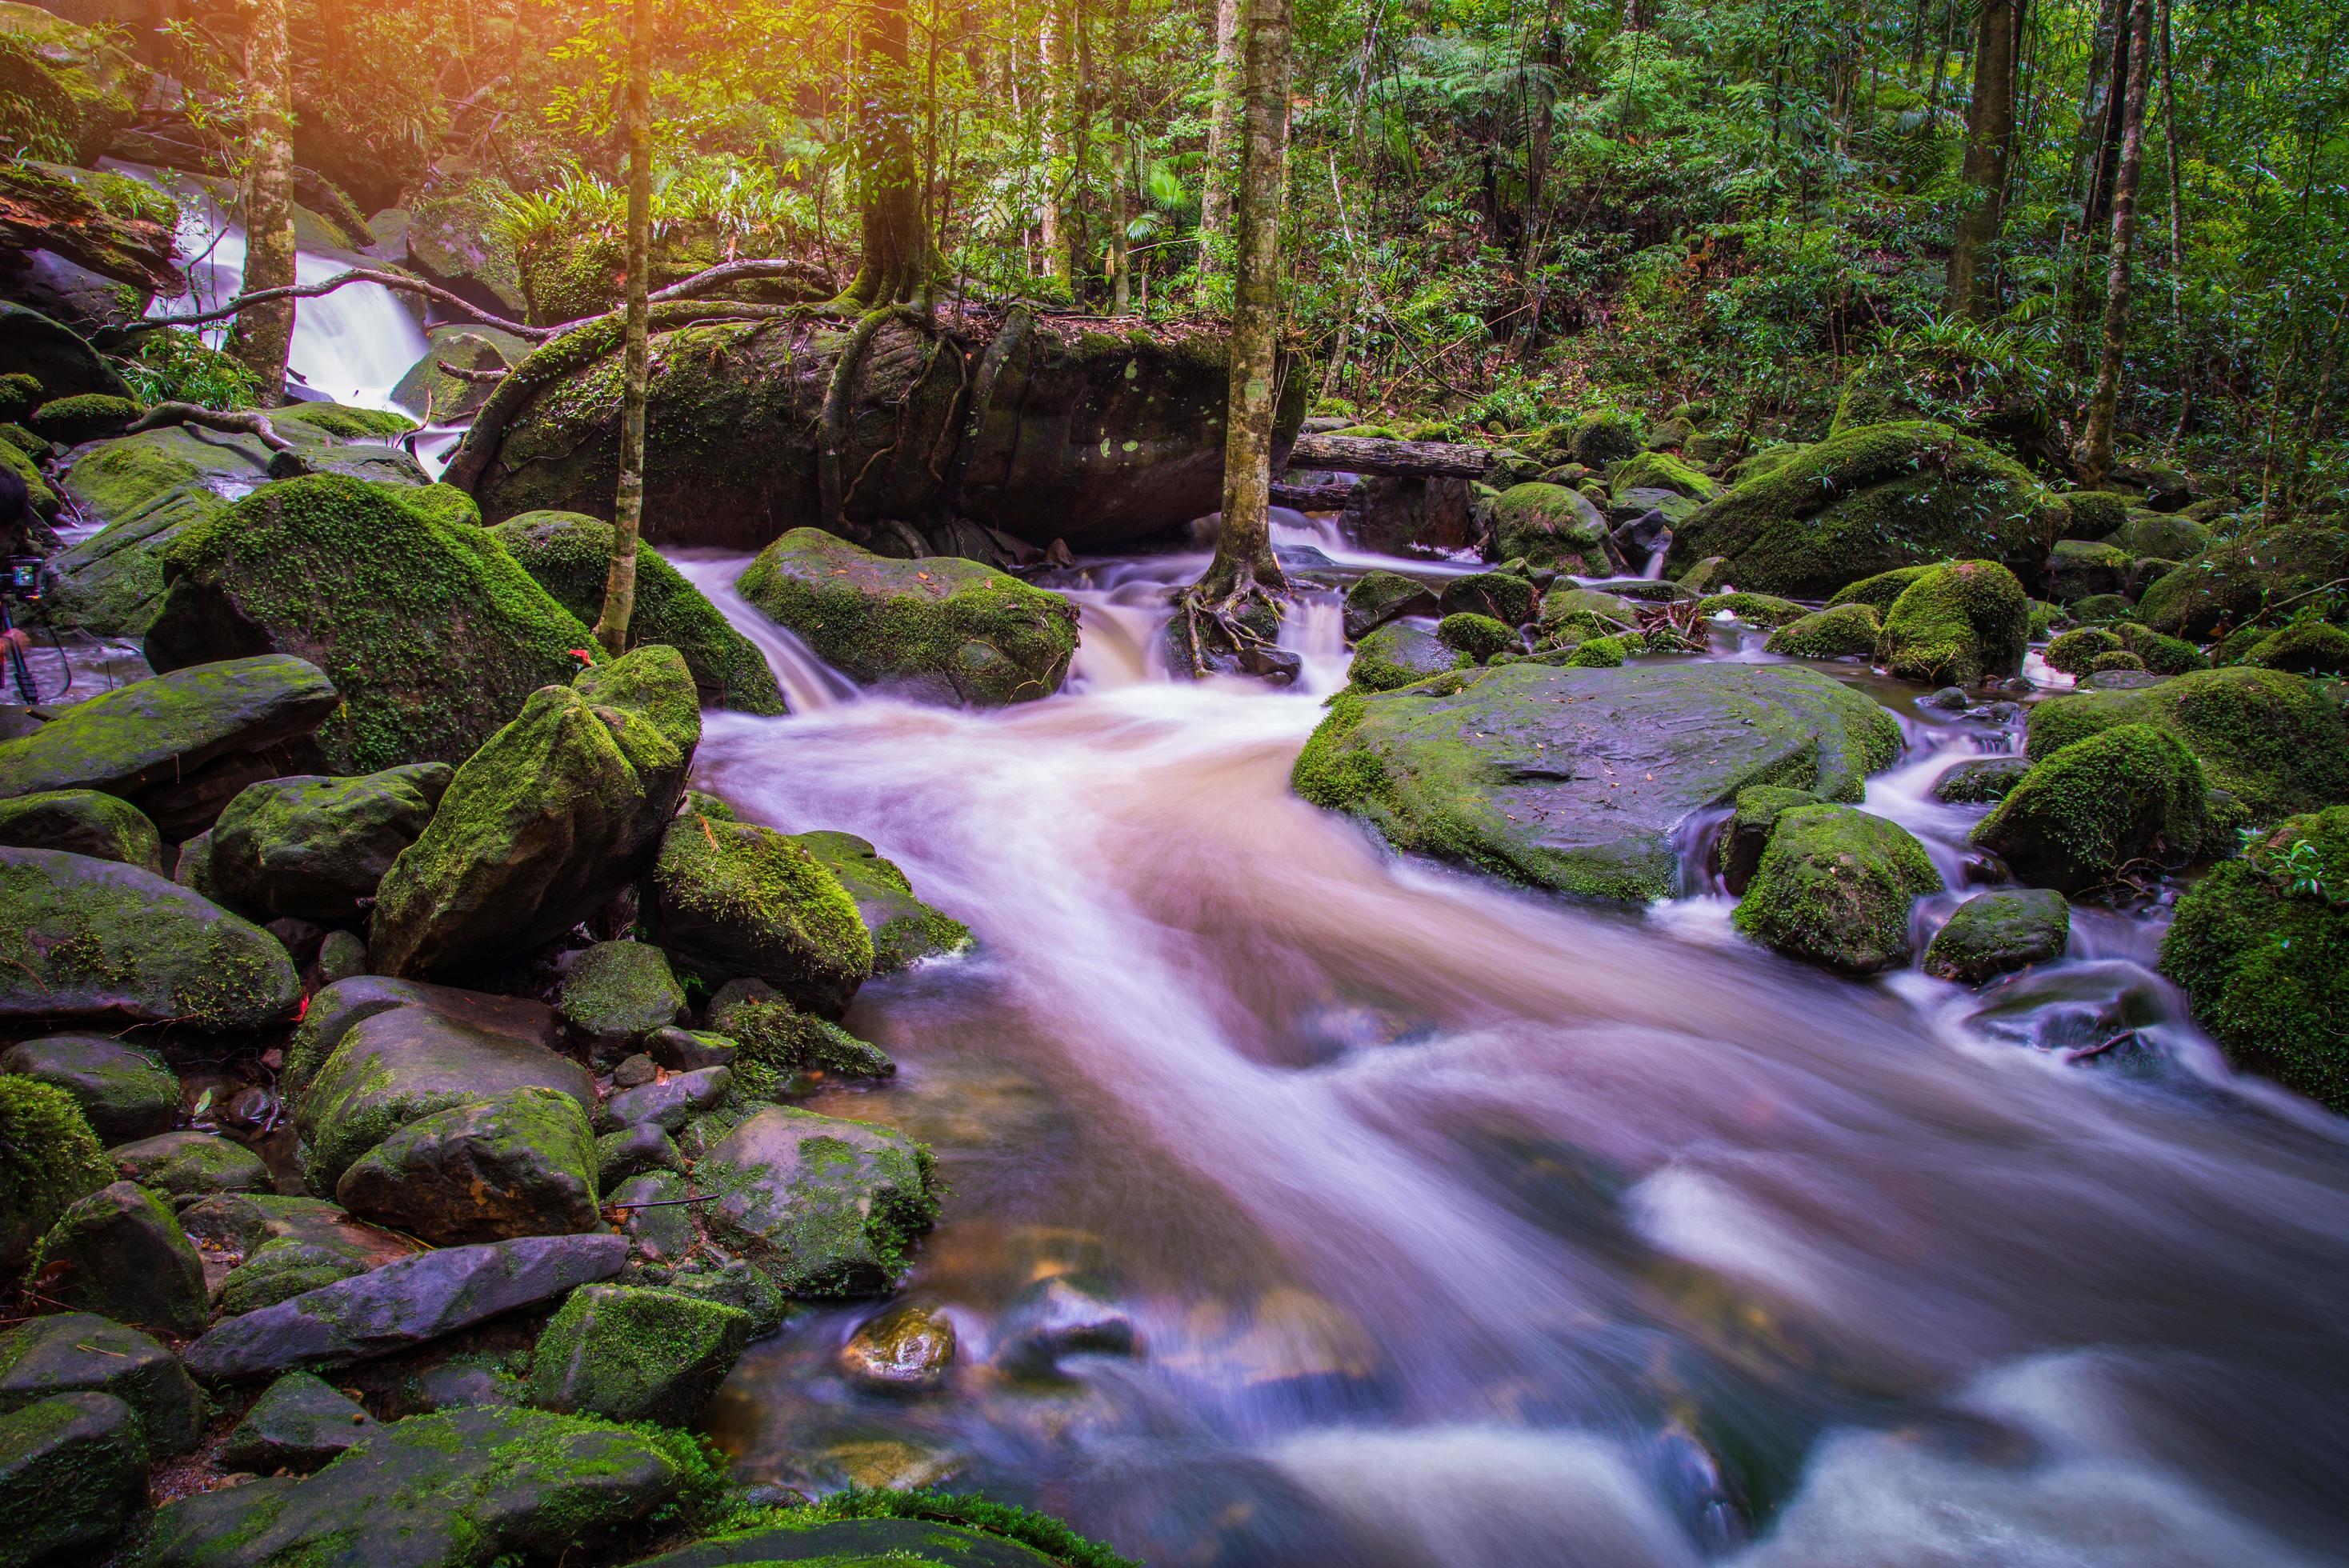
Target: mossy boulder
<point>634,1354</point>
<point>615,993</point>
<point>81,1352</point>
<point>1869,499</point>
<point>2084,814</point>
<point>2304,647</point>
<point>2270,739</point>
<point>1377,597</point>
<point>1877,591</point>
<point>2078,569</point>
<point>520,1163</point>
<point>775,1040</point>
<point>903,930</point>
<point>732,899</point>
<point>1601,437</point>
<point>2091,514</point>
<point>69,89</point>
<point>1992,933</point>
<point>1766,611</point>
<point>1961,623</point>
<point>1653,470</point>
<point>37,493</point>
<point>392,1068</point>
<point>554,814</point>
<point>432,633</point>
<point>125,1091</point>
<point>85,939</point>
<point>455,1489</point>
<point>52,354</point>
<point>1845,632</point>
<point>73,1470</point>
<point>1478,637</point>
<point>49,1161</point>
<point>1834,888</point>
<point>937,628</point>
<point>2119,659</point>
<point>1505,596</point>
<point>120,1254</point>
<point>1569,615</point>
<point>189,1164</point>
<point>1580,780</point>
<point>93,416</point>
<point>902,1530</point>
<point>1980,779</point>
<point>2102,610</point>
<point>454,238</point>
<point>2164,538</point>
<point>432,394</point>
<point>1600,653</point>
<point>299,1423</point>
<point>2233,578</point>
<point>821,1206</point>
<point>82,822</point>
<point>1746,834</point>
<point>2262,946</point>
<point>1550,527</point>
<point>338,1008</point>
<point>315,847</point>
<point>1396,654</point>
<point>2073,653</point>
<point>569,553</point>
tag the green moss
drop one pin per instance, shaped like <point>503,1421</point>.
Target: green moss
<point>904,929</point>
<point>344,423</point>
<point>20,393</point>
<point>1550,526</point>
<point>631,1355</point>
<point>2044,617</point>
<point>1993,932</point>
<point>735,897</point>
<point>1604,435</point>
<point>1479,637</point>
<point>569,554</point>
<point>1878,592</point>
<point>2269,739</point>
<point>1764,609</point>
<point>1834,887</point>
<point>2076,651</point>
<point>2119,659</point>
<point>774,1036</point>
<point>618,990</point>
<point>73,420</point>
<point>1661,471</point>
<point>1396,654</point>
<point>2162,655</point>
<point>1577,614</point>
<point>36,488</point>
<point>823,1206</point>
<point>2082,817</point>
<point>2304,647</point>
<point>82,822</point>
<point>49,1160</point>
<point>1600,653</point>
<point>1846,632</point>
<point>2091,514</point>
<point>1961,623</point>
<point>2266,570</point>
<point>969,1510</point>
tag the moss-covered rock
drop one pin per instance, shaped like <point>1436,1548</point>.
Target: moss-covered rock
<point>49,1161</point>
<point>1766,611</point>
<point>1479,637</point>
<point>73,1470</point>
<point>299,1423</point>
<point>119,1253</point>
<point>1551,527</point>
<point>315,847</point>
<point>2119,659</point>
<point>2078,569</point>
<point>1396,654</point>
<point>432,394</point>
<point>82,939</point>
<point>37,493</point>
<point>1869,499</point>
<point>1579,780</point>
<point>2270,739</point>
<point>821,1206</point>
<point>79,1352</point>
<point>569,553</point>
<point>520,1163</point>
<point>1962,622</point>
<point>615,993</point>
<point>93,416</point>
<point>2240,575</point>
<point>454,238</point>
<point>775,1040</point>
<point>1570,615</point>
<point>2091,514</point>
<point>1746,834</point>
<point>1600,653</point>
<point>2075,651</point>
<point>2164,538</point>
<point>1505,596</point>
<point>866,1527</point>
<point>1601,437</point>
<point>1377,597</point>
<point>124,1090</point>
<point>938,627</point>
<point>1980,780</point>
<point>68,89</point>
<point>2102,610</point>
<point>1834,887</point>
<point>431,633</point>
<point>730,899</point>
<point>1846,632</point>
<point>1661,471</point>
<point>1878,592</point>
<point>190,1164</point>
<point>455,1489</point>
<point>2130,795</point>
<point>2304,647</point>
<point>634,1355</point>
<point>1994,932</point>
<point>554,814</point>
<point>82,822</point>
<point>904,929</point>
<point>2262,946</point>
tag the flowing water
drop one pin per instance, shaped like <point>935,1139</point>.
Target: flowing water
<point>1462,1226</point>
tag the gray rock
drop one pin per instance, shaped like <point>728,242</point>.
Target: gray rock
<point>682,1050</point>
<point>337,1007</point>
<point>520,1164</point>
<point>659,1225</point>
<point>341,956</point>
<point>298,1424</point>
<point>672,1102</point>
<point>1377,597</point>
<point>125,1091</point>
<point>316,847</point>
<point>634,1072</point>
<point>74,1352</point>
<point>188,1163</point>
<point>120,1254</point>
<point>73,1470</point>
<point>644,1147</point>
<point>823,1206</point>
<point>82,822</point>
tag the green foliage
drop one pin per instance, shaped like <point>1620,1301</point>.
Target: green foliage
<point>972,1510</point>
<point>174,365</point>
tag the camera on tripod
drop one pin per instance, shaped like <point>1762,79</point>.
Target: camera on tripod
<point>20,578</point>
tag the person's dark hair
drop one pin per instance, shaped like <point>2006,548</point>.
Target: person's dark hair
<point>15,502</point>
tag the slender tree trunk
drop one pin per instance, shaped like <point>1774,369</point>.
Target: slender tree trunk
<point>1215,194</point>
<point>263,333</point>
<point>2176,235</point>
<point>628,500</point>
<point>2094,100</point>
<point>2104,404</point>
<point>895,260</point>
<point>1990,131</point>
<point>1053,45</point>
<point>1244,566</point>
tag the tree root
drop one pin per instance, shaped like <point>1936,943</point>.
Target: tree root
<point>244,422</point>
<point>1223,609</point>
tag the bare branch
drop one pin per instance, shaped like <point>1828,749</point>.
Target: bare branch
<point>244,423</point>
<point>399,281</point>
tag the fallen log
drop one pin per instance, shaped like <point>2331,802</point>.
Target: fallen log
<point>1311,498</point>
<point>43,212</point>
<point>1371,455</point>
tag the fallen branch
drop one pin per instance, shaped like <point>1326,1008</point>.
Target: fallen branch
<point>244,422</point>
<point>113,337</point>
<point>701,283</point>
<point>1368,455</point>
<point>464,373</point>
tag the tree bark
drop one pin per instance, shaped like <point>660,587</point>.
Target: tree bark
<point>1990,131</point>
<point>1244,567</point>
<point>1216,193</point>
<point>1368,455</point>
<point>264,332</point>
<point>895,258</point>
<point>1053,45</point>
<point>2104,404</point>
<point>628,496</point>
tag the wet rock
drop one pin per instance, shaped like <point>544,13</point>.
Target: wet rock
<point>1845,632</point>
<point>49,1160</point>
<point>554,814</point>
<point>732,899</point>
<point>1506,598</point>
<point>336,1009</point>
<point>645,1146</point>
<point>2085,813</point>
<point>405,1303</point>
<point>1549,526</point>
<point>1376,598</point>
<point>520,1164</point>
<point>1963,623</point>
<point>937,627</point>
<point>79,1352</point>
<point>682,1050</point>
<point>341,956</point>
<point>180,745</point>
<point>904,929</point>
<point>1577,779</point>
<point>670,1103</point>
<point>1747,832</point>
<point>776,1038</point>
<point>614,992</point>
<point>658,1221</point>
<point>1980,780</point>
<point>88,939</point>
<point>913,1542</point>
<point>633,1355</point>
<point>82,822</point>
<point>124,1091</point>
<point>1061,1317</point>
<point>298,1424</point>
<point>636,1071</point>
<point>188,1164</point>
<point>904,1349</point>
<point>120,1254</point>
<point>73,1470</point>
<point>264,1249</point>
<point>397,1068</point>
<point>451,1489</point>
<point>315,847</point>
<point>1397,654</point>
<point>1993,932</point>
<point>1834,888</point>
<point>823,1206</point>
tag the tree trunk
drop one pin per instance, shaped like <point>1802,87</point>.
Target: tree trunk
<point>2177,232</point>
<point>1990,131</point>
<point>1053,43</point>
<point>263,333</point>
<point>2104,404</point>
<point>1244,567</point>
<point>628,496</point>
<point>895,260</point>
<point>1215,194</point>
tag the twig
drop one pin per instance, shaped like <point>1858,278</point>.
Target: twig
<point>242,423</point>
<point>664,1202</point>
